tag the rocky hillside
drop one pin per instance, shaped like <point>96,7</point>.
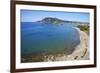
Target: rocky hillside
<point>56,21</point>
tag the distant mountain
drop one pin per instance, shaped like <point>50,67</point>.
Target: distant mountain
<point>56,21</point>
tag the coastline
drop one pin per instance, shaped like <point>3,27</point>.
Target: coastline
<point>81,51</point>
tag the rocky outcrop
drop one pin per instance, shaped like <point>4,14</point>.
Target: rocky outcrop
<point>56,21</point>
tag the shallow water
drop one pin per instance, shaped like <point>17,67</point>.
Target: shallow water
<point>37,39</point>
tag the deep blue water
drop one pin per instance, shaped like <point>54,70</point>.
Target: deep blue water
<point>41,38</point>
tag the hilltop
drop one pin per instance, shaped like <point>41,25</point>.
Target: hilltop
<point>56,21</point>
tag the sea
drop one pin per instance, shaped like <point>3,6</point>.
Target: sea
<point>38,38</point>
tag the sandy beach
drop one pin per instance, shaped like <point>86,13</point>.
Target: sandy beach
<point>81,51</point>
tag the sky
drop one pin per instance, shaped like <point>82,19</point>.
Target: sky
<point>36,15</point>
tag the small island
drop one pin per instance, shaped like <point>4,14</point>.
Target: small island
<point>84,26</point>
<point>57,21</point>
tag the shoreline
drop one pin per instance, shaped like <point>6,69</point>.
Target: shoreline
<point>81,51</point>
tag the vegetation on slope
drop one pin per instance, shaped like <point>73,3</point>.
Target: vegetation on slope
<point>84,28</point>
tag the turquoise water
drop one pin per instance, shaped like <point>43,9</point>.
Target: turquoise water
<point>37,39</point>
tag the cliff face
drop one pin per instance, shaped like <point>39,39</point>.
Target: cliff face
<point>50,20</point>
